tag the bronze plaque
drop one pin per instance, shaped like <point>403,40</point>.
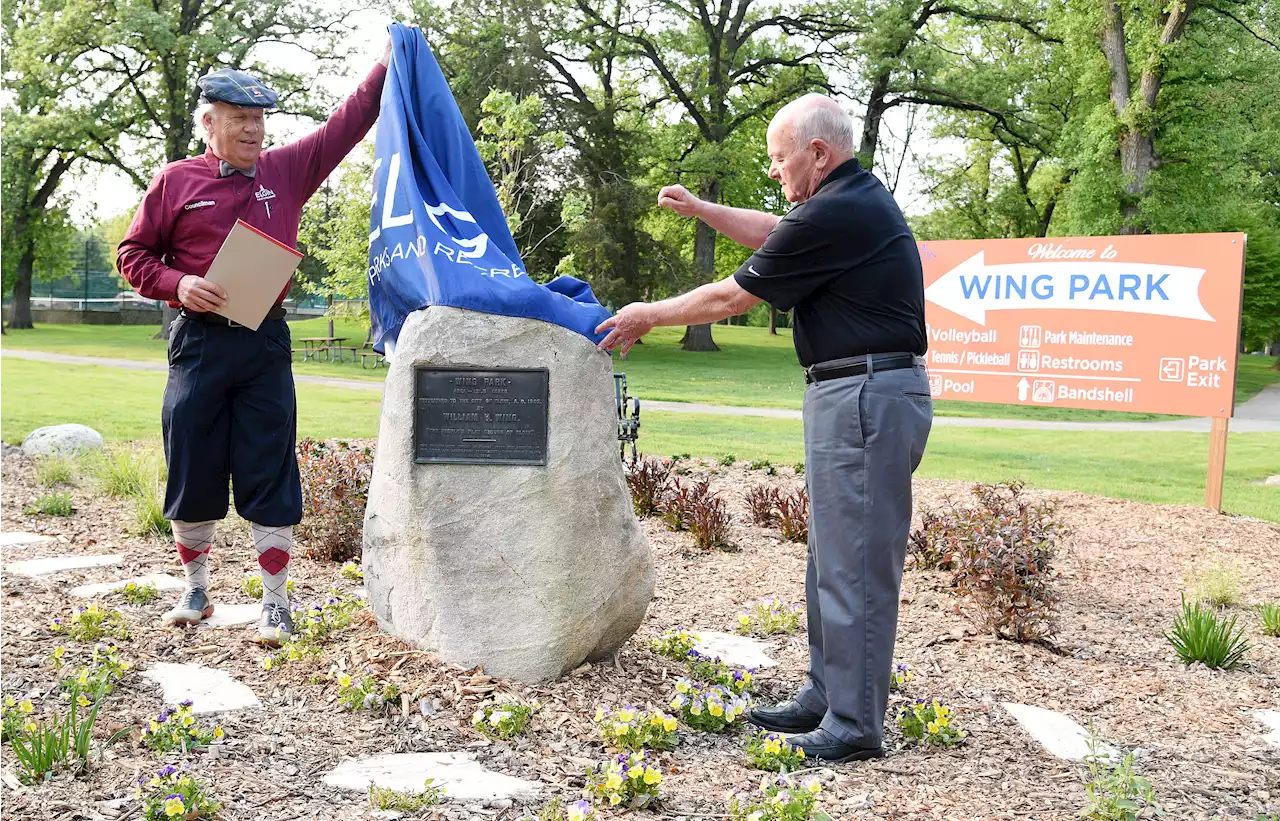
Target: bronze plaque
<point>480,417</point>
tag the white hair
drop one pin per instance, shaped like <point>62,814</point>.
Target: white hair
<point>197,117</point>
<point>815,117</point>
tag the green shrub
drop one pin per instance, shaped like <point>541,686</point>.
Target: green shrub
<point>780,798</point>
<point>135,593</point>
<point>64,743</point>
<point>1116,793</point>
<point>1219,585</point>
<point>91,623</point>
<point>54,470</point>
<point>1200,634</point>
<point>674,644</point>
<point>771,617</point>
<point>385,798</point>
<point>251,586</point>
<point>1270,615</point>
<point>51,504</point>
<point>505,720</point>
<point>148,511</point>
<point>124,473</point>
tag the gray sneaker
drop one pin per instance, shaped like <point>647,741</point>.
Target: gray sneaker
<point>275,626</point>
<point>193,608</point>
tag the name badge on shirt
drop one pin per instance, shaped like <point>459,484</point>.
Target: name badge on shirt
<point>262,195</point>
<point>191,206</point>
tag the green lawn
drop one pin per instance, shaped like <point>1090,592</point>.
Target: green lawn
<point>751,369</point>
<point>1153,467</point>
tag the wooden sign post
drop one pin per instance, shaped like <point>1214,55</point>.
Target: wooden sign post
<point>1146,324</point>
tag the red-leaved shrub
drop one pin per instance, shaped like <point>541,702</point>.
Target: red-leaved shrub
<point>335,488</point>
<point>648,479</point>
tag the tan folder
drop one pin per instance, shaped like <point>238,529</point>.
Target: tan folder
<point>253,269</point>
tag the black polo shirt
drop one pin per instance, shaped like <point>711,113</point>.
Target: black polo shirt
<point>846,261</point>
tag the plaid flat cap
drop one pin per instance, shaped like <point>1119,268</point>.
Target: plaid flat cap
<point>226,85</point>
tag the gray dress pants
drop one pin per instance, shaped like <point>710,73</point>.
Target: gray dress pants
<point>863,438</point>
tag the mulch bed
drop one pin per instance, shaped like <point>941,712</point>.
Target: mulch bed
<point>1123,567</point>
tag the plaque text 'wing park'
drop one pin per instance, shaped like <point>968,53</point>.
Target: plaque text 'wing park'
<point>483,417</point>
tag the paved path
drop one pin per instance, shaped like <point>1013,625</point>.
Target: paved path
<point>1261,414</point>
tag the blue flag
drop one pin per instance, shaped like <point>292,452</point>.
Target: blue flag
<point>437,235</point>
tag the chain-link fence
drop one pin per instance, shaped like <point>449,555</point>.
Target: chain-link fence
<point>94,286</point>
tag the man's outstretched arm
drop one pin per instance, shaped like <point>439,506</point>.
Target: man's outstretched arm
<point>742,225</point>
<point>709,303</point>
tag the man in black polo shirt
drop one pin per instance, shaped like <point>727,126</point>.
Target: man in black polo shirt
<point>844,259</point>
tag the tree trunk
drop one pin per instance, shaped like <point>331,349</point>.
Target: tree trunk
<point>20,311</point>
<point>773,320</point>
<point>698,337</point>
<point>1137,159</point>
<point>871,117</point>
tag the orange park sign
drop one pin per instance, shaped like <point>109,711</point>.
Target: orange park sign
<point>1138,323</point>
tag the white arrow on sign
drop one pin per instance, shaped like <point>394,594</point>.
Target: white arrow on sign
<point>972,288</point>
<point>1023,384</point>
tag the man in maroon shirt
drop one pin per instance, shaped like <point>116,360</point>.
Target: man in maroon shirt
<point>229,411</point>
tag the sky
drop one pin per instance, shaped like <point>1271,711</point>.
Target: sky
<point>109,192</point>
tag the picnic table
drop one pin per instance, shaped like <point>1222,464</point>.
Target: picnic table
<point>313,347</point>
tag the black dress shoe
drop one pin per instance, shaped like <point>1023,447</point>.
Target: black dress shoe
<point>824,746</point>
<point>787,717</point>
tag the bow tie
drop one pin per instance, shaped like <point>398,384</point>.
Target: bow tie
<point>226,169</point>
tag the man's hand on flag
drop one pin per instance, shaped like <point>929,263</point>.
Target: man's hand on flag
<point>626,326</point>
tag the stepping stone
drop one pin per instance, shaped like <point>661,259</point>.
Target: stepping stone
<point>1270,718</point>
<point>209,689</point>
<point>1056,732</point>
<point>458,774</point>
<point>232,615</point>
<point>57,564</point>
<point>18,538</point>
<point>162,582</point>
<point>735,650</point>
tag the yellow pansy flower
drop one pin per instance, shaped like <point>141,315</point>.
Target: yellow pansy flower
<point>613,781</point>
<point>652,776</point>
<point>26,706</point>
<point>669,724</point>
<point>217,733</point>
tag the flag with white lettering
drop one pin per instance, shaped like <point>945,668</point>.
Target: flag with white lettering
<point>437,235</point>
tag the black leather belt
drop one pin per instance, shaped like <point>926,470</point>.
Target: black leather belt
<point>276,312</point>
<point>857,366</point>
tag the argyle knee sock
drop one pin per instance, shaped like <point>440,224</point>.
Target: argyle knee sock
<point>194,540</point>
<point>273,545</point>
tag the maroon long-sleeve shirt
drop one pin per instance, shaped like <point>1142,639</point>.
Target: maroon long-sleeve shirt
<point>189,209</point>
